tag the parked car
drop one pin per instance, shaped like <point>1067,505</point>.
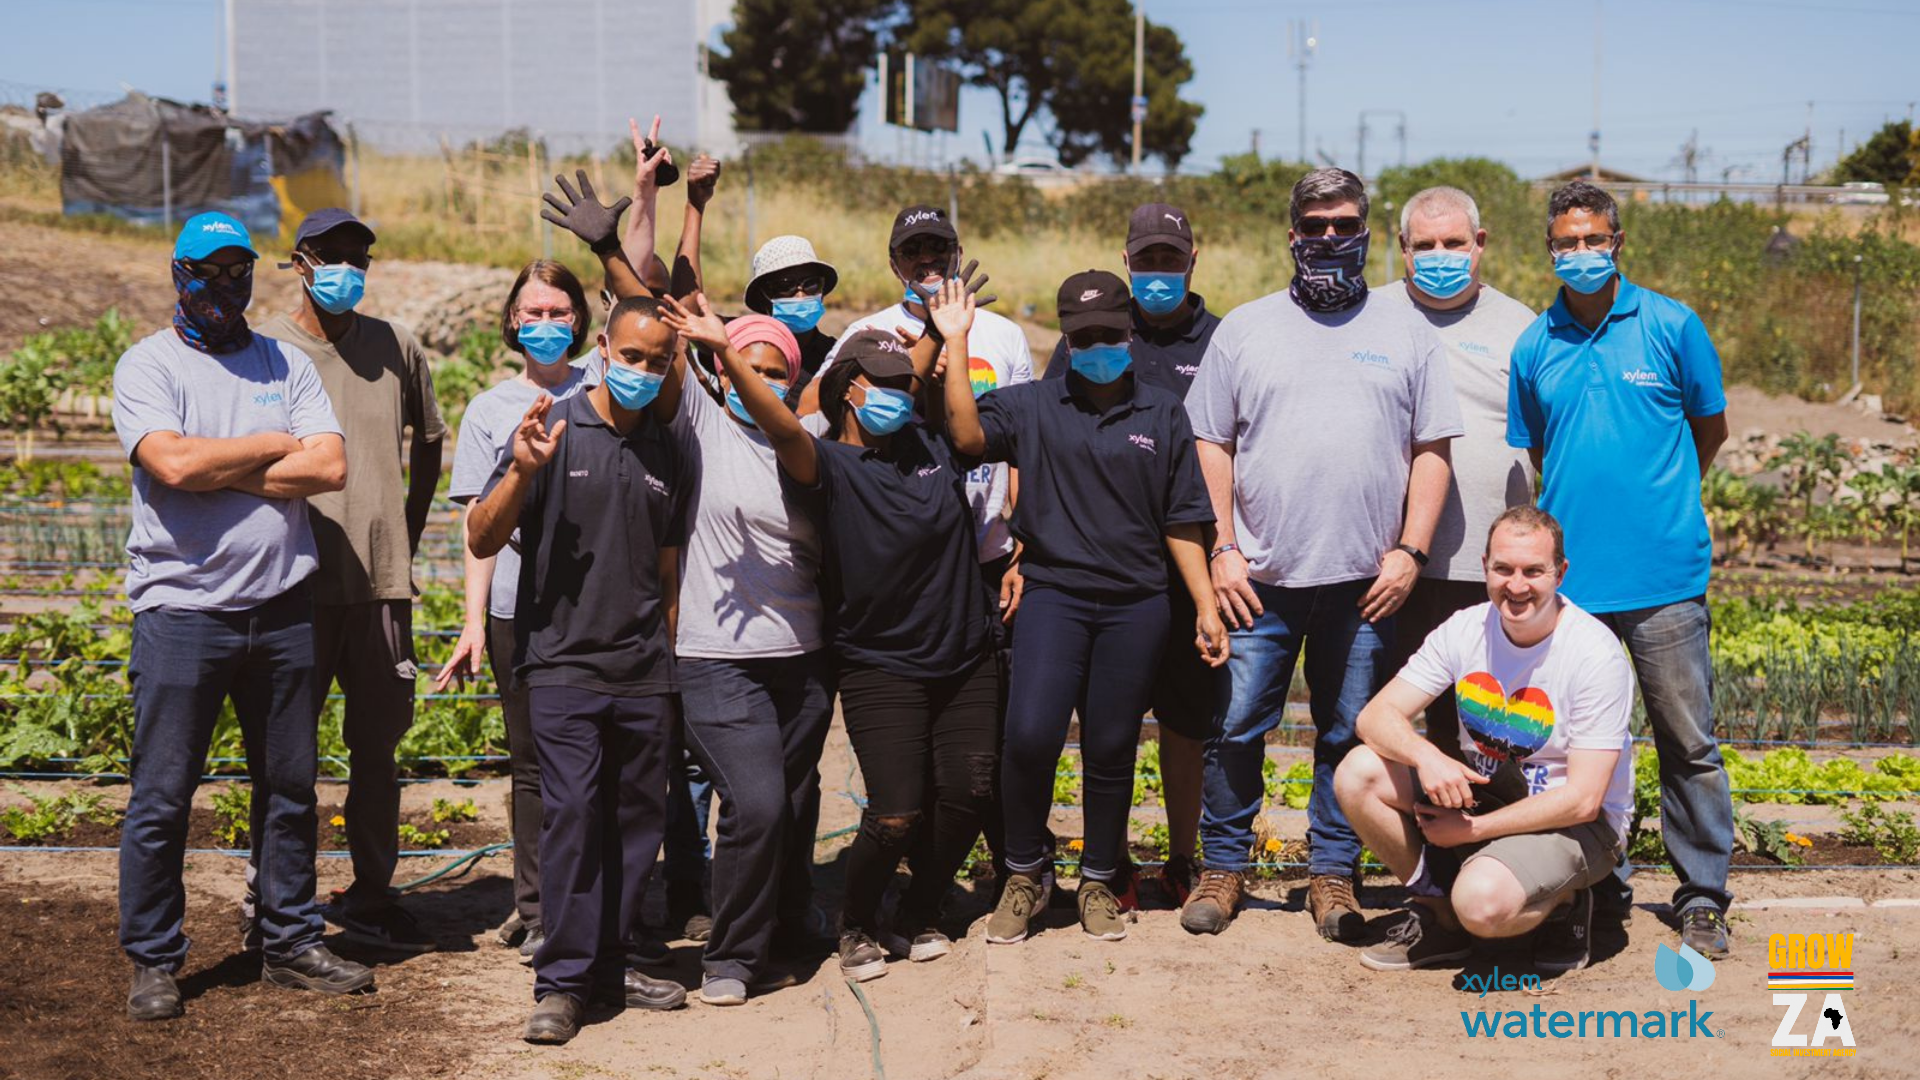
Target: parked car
<point>1860,193</point>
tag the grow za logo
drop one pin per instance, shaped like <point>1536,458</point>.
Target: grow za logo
<point>1682,970</point>
<point>1809,962</point>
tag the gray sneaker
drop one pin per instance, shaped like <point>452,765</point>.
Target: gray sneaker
<point>1024,896</point>
<point>531,943</point>
<point>720,991</point>
<point>1100,914</point>
<point>1417,941</point>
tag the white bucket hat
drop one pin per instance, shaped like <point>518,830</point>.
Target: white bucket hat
<point>784,253</point>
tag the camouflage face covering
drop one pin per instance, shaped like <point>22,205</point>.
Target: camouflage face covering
<point>211,315</point>
<point>1329,271</point>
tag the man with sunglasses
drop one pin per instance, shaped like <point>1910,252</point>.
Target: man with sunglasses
<point>229,432</point>
<point>1616,395</point>
<point>1323,420</point>
<point>381,384</point>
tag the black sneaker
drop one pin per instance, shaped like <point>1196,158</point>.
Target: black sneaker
<point>556,1019</point>
<point>1417,941</point>
<point>387,927</point>
<point>513,931</point>
<point>1564,941</point>
<point>535,938</point>
<point>1704,930</point>
<point>318,969</point>
<point>154,996</point>
<point>860,957</point>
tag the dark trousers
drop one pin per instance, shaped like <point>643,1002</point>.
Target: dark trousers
<point>689,812</point>
<point>1432,602</point>
<point>928,750</point>
<point>757,727</point>
<point>1098,658</point>
<point>183,666</point>
<point>524,761</point>
<point>369,648</point>
<point>603,781</point>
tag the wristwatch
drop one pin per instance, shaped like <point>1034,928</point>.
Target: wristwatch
<point>1419,557</point>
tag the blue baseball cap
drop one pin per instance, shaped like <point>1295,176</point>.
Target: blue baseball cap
<point>204,234</point>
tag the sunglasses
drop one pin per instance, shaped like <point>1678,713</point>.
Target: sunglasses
<point>207,271</point>
<point>1320,225</point>
<point>359,259</point>
<point>920,248</point>
<point>786,287</point>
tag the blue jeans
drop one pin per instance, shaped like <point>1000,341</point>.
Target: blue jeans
<point>183,666</point>
<point>1674,666</point>
<point>1346,665</point>
<point>757,726</point>
<point>1098,658</point>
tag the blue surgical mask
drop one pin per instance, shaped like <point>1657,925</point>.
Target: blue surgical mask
<point>632,388</point>
<point>1442,275</point>
<point>799,314</point>
<point>546,342</point>
<point>739,408</point>
<point>1159,294</point>
<point>886,410</point>
<point>915,295</point>
<point>1101,363</point>
<point>1584,271</point>
<point>337,288</point>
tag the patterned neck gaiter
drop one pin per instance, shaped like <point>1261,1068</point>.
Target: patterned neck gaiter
<point>1328,271</point>
<point>211,316</point>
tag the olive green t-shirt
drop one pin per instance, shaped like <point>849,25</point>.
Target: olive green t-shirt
<point>381,383</point>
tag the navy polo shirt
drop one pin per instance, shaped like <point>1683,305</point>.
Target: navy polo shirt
<point>899,567</point>
<point>1164,356</point>
<point>590,613</point>
<point>1097,489</point>
<point>1608,409</point>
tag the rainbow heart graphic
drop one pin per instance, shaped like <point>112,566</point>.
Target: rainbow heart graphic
<point>980,372</point>
<point>1506,727</point>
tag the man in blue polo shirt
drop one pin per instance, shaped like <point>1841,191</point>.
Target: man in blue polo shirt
<point>1615,392</point>
<point>1170,333</point>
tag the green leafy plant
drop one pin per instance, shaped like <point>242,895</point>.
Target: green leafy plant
<point>233,816</point>
<point>446,810</point>
<point>416,839</point>
<point>1066,780</point>
<point>1891,833</point>
<point>48,817</point>
<point>1767,839</point>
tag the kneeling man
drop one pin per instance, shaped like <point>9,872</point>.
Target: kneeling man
<point>1511,841</point>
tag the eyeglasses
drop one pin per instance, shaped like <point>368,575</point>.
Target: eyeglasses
<point>1318,225</point>
<point>1567,245</point>
<point>207,271</point>
<point>811,285</point>
<point>359,260</point>
<point>561,314</point>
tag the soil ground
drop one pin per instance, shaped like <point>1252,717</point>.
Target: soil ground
<point>1266,998</point>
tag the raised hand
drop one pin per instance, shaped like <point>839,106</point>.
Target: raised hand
<point>533,443</point>
<point>583,216</point>
<point>694,321</point>
<point>967,280</point>
<point>951,308</point>
<point>702,177</point>
<point>652,163</point>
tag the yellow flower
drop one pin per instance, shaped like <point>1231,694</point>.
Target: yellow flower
<point>1076,845</point>
<point>1794,838</point>
<point>1273,847</point>
<point>338,821</point>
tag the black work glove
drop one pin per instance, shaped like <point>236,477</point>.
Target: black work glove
<point>972,284</point>
<point>583,216</point>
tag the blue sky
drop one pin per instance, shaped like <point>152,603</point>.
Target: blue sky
<point>1507,79</point>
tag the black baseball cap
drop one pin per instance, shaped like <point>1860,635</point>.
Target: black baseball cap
<point>876,352</point>
<point>1095,299</point>
<point>325,221</point>
<point>921,220</point>
<point>1159,223</point>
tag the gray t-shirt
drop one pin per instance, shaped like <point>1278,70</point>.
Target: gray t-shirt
<point>485,432</point>
<point>220,550</point>
<point>1488,475</point>
<point>750,568</point>
<point>1322,412</point>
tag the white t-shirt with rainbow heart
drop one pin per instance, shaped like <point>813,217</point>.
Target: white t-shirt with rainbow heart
<point>1573,691</point>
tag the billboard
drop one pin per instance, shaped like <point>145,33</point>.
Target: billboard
<point>919,93</point>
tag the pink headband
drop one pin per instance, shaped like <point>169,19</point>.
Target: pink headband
<point>766,330</point>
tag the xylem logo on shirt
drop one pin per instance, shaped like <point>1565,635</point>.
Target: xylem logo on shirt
<point>659,487</point>
<point>1144,442</point>
<point>1366,356</point>
<point>927,470</point>
<point>1188,370</point>
<point>271,397</point>
<point>1641,377</point>
<point>576,474</point>
<point>1475,348</point>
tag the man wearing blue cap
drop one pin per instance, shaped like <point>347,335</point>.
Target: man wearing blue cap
<point>381,385</point>
<point>229,432</point>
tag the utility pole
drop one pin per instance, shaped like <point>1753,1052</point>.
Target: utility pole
<point>1256,144</point>
<point>1593,139</point>
<point>1360,158</point>
<point>1302,40</point>
<point>1139,79</point>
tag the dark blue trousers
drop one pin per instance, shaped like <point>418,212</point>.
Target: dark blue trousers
<point>184,665</point>
<point>603,783</point>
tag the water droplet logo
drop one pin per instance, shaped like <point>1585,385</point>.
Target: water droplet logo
<point>1683,969</point>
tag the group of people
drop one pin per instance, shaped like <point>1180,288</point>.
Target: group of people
<point>689,535</point>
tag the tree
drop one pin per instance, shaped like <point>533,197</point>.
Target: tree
<point>1886,158</point>
<point>1068,59</point>
<point>798,65</point>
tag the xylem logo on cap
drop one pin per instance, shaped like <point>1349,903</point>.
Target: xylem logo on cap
<point>219,226</point>
<point>1092,294</point>
<point>919,216</point>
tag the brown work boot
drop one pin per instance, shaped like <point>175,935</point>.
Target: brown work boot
<point>1213,902</point>
<point>1336,914</point>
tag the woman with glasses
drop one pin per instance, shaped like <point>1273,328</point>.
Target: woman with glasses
<point>545,320</point>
